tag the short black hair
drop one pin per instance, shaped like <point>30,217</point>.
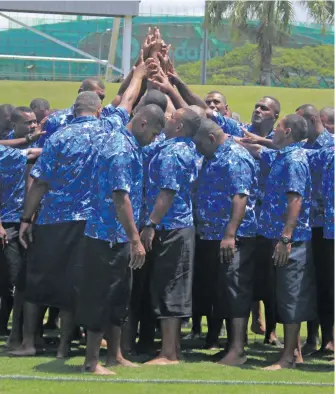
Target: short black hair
<point>329,112</point>
<point>276,103</point>
<point>17,113</point>
<point>6,109</point>
<point>217,92</point>
<point>298,126</point>
<point>155,96</point>
<point>89,84</point>
<point>308,110</point>
<point>153,114</point>
<point>39,104</point>
<point>191,122</point>
<point>208,126</point>
<point>88,102</point>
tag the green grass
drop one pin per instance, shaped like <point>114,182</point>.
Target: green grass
<point>197,364</point>
<point>240,99</point>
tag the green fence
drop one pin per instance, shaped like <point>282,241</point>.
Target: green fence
<point>184,33</point>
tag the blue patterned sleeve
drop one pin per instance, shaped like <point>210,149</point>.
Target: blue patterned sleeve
<point>46,165</point>
<point>169,173</point>
<point>267,157</point>
<point>108,110</point>
<point>116,120</point>
<point>120,172</point>
<point>295,178</point>
<point>241,177</point>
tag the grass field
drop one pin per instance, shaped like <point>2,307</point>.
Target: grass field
<point>198,365</point>
<point>240,99</point>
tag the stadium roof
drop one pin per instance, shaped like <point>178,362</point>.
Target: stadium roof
<point>98,8</point>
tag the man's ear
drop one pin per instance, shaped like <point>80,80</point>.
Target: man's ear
<point>288,132</point>
<point>179,127</point>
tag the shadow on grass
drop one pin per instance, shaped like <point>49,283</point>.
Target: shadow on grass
<point>58,367</point>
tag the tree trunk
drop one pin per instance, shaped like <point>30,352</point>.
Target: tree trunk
<point>266,64</point>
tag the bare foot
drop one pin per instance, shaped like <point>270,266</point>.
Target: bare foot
<point>63,351</point>
<point>23,352</point>
<point>298,358</point>
<point>162,361</point>
<point>98,370</point>
<point>233,359</point>
<point>121,362</point>
<point>273,341</point>
<point>280,365</point>
<point>103,343</point>
<point>258,327</point>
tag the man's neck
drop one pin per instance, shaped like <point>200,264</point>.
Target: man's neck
<point>318,131</point>
<point>260,130</point>
<point>286,143</point>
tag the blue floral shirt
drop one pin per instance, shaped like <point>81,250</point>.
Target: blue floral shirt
<point>317,207</point>
<point>55,121</point>
<point>327,160</point>
<point>228,125</point>
<point>231,171</point>
<point>63,117</point>
<point>148,153</point>
<point>262,171</point>
<point>12,181</point>
<point>289,173</point>
<point>173,167</point>
<point>66,166</point>
<point>119,166</point>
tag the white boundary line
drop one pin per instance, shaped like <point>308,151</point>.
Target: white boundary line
<point>165,381</point>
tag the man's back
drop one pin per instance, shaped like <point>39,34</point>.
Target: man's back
<point>66,165</point>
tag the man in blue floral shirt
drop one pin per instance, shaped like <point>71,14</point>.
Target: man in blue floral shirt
<point>112,243</point>
<point>284,221</point>
<point>327,297</point>
<point>226,224</point>
<point>318,139</point>
<point>12,185</point>
<point>62,177</point>
<point>64,117</point>
<point>169,231</point>
<point>216,101</point>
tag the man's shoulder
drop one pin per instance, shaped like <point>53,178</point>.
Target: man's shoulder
<point>115,144</point>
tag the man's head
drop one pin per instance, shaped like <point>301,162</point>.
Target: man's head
<point>87,104</point>
<point>217,102</point>
<point>153,96</point>
<point>198,110</point>
<point>40,107</point>
<point>93,85</point>
<point>292,128</point>
<point>184,122</point>
<point>23,121</point>
<point>147,123</point>
<point>208,137</point>
<point>5,119</point>
<point>327,118</point>
<point>265,114</point>
<point>312,117</point>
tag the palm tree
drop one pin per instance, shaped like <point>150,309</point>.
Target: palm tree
<point>273,21</point>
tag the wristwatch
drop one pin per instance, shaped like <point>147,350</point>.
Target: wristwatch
<point>285,240</point>
<point>151,224</point>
